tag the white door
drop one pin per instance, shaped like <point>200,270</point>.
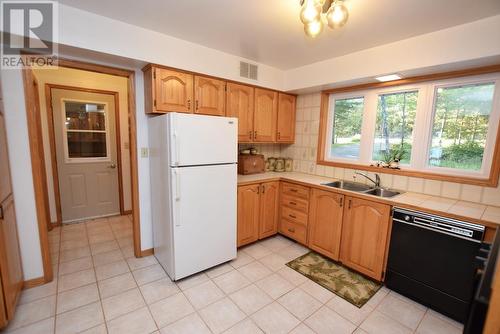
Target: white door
<point>85,138</point>
<point>204,217</point>
<point>202,140</point>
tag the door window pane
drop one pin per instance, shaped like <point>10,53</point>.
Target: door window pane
<point>85,116</point>
<point>346,134</point>
<point>394,128</point>
<point>460,126</point>
<point>87,144</point>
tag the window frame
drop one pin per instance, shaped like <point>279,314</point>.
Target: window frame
<point>422,131</point>
<point>107,130</point>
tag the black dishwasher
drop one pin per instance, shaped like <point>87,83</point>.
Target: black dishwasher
<point>432,260</point>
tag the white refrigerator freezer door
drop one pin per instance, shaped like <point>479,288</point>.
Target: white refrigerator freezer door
<point>204,217</point>
<point>202,140</point>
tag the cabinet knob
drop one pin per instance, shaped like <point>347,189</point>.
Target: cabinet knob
<point>250,135</point>
<point>255,135</point>
<point>196,105</point>
<point>189,103</point>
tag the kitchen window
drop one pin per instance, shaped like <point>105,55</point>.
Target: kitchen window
<point>443,129</point>
<point>394,125</point>
<point>346,128</point>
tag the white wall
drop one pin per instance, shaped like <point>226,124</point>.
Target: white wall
<point>20,168</point>
<point>475,40</point>
<point>86,79</point>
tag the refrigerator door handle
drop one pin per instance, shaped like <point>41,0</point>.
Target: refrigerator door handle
<point>177,148</point>
<point>177,210</point>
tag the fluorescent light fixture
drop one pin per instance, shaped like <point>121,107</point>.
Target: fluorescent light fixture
<point>389,77</point>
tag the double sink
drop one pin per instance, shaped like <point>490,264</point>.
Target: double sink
<point>363,188</point>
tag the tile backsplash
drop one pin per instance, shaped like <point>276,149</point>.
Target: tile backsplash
<point>303,152</point>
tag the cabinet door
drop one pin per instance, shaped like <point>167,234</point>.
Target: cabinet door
<point>173,90</point>
<point>5,186</point>
<point>286,119</point>
<point>239,103</point>
<point>269,201</point>
<point>210,96</point>
<point>248,214</point>
<point>325,223</point>
<point>10,257</point>
<point>265,114</point>
<point>364,236</point>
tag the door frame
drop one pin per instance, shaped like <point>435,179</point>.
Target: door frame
<point>37,156</point>
<point>52,140</point>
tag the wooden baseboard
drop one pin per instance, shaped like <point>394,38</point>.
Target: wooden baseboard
<point>127,212</point>
<point>31,283</point>
<point>147,252</point>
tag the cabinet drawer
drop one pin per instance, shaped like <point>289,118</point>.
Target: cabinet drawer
<point>295,203</point>
<point>294,215</point>
<point>293,230</point>
<point>295,190</point>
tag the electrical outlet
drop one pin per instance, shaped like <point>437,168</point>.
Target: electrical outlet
<point>144,152</point>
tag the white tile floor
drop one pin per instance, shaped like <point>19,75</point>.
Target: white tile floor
<point>102,288</point>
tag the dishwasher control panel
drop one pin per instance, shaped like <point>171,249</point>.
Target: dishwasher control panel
<point>438,223</point>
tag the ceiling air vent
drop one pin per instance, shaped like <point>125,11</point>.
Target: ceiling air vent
<point>248,70</point>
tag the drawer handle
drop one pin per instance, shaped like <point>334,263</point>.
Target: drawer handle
<point>293,190</point>
<point>292,216</point>
<point>291,230</point>
<point>293,203</point>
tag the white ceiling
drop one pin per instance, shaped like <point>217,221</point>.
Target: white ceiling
<point>270,32</point>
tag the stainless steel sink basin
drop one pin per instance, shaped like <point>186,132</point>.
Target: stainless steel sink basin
<point>362,188</point>
<point>353,186</point>
<point>381,192</point>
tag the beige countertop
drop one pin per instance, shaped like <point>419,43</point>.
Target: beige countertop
<point>475,212</point>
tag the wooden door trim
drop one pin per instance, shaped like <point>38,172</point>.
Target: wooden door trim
<point>52,140</point>
<point>37,179</point>
<point>38,169</point>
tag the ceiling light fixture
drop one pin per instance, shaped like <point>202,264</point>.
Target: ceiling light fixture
<point>314,12</point>
<point>389,77</point>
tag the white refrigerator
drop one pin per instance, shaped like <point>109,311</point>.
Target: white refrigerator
<point>193,164</point>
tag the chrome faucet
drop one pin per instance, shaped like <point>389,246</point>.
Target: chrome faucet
<point>376,181</point>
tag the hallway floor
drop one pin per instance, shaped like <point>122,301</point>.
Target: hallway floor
<point>102,288</point>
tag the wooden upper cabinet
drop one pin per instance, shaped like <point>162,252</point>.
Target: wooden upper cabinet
<point>286,118</point>
<point>365,230</point>
<point>210,96</point>
<point>265,114</point>
<point>325,223</point>
<point>171,90</point>
<point>239,103</point>
<point>269,201</point>
<point>248,214</point>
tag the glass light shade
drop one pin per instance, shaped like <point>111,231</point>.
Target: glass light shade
<point>310,11</point>
<point>337,14</point>
<point>313,29</point>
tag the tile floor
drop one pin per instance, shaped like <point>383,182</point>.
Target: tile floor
<point>102,288</point>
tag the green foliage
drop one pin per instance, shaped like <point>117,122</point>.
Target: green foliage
<point>348,117</point>
<point>468,156</point>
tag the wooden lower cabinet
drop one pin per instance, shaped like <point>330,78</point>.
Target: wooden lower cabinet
<point>257,212</point>
<point>365,228</point>
<point>248,214</point>
<point>269,201</point>
<point>325,223</point>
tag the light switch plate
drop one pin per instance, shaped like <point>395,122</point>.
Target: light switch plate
<point>144,152</point>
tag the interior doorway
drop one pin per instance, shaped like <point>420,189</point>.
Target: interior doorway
<point>39,150</point>
<point>86,140</point>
